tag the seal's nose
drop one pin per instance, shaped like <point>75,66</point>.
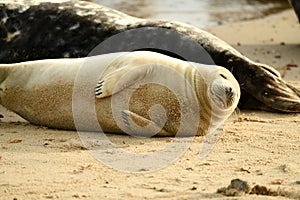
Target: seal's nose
<point>229,92</point>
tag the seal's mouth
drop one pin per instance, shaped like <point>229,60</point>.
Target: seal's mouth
<point>223,96</point>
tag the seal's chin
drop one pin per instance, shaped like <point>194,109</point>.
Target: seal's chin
<point>217,100</point>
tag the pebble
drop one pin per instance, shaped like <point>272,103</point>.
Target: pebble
<point>277,182</point>
<point>189,169</point>
<point>237,187</point>
<point>282,43</point>
<point>285,168</point>
<point>278,56</point>
<point>194,188</point>
<point>220,23</point>
<point>298,182</point>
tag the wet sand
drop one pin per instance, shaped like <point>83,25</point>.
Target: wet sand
<point>199,13</point>
<point>258,147</point>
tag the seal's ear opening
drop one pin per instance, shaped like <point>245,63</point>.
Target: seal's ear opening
<point>162,51</point>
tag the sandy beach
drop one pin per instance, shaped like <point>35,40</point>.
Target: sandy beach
<point>258,147</point>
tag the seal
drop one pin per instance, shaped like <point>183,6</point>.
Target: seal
<point>43,29</point>
<point>41,92</point>
<point>296,5</point>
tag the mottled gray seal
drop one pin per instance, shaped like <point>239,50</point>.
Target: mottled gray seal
<point>36,29</point>
<point>41,92</point>
<point>296,5</point>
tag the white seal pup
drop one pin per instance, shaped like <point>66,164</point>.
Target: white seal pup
<point>42,93</point>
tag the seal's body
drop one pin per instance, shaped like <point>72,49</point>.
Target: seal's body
<point>42,93</point>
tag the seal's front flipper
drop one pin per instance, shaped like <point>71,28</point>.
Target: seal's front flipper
<point>140,126</point>
<point>120,79</point>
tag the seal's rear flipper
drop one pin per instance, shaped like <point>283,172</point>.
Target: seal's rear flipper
<point>139,126</point>
<point>120,79</point>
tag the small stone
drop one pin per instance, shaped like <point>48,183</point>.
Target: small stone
<point>240,185</point>
<point>278,56</point>
<point>298,182</point>
<point>1,116</point>
<point>46,143</point>
<point>189,169</point>
<point>76,196</point>
<point>162,190</point>
<point>14,141</point>
<point>277,182</point>
<point>285,168</point>
<point>220,23</point>
<point>194,188</point>
<point>237,187</point>
<point>282,43</point>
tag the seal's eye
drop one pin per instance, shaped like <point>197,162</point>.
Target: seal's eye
<point>223,76</point>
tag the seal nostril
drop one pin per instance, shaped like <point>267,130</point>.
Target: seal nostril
<point>223,76</point>
<point>230,91</point>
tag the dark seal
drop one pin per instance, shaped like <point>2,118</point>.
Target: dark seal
<point>296,5</point>
<point>32,30</point>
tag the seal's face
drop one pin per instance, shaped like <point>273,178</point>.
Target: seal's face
<point>224,90</point>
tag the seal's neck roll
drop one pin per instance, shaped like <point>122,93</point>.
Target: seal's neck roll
<point>205,110</point>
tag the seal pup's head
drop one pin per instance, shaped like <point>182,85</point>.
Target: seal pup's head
<point>218,94</point>
<point>224,90</point>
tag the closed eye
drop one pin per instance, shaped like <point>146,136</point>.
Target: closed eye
<point>223,76</point>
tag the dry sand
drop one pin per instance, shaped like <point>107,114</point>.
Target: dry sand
<point>258,147</point>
